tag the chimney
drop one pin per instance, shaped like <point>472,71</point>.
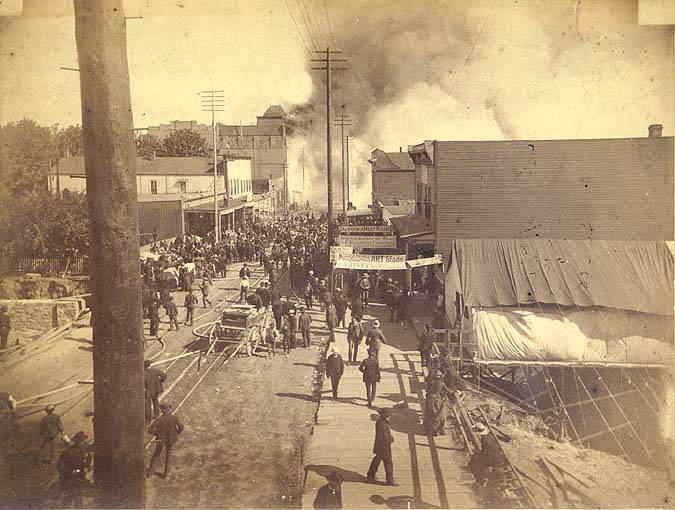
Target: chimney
<point>400,149</point>
<point>655,130</point>
<point>154,155</point>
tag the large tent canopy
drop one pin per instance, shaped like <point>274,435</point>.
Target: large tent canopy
<point>569,300</point>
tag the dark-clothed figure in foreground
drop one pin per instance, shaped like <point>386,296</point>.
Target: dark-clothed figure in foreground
<point>5,327</point>
<point>335,367</point>
<point>72,467</point>
<point>375,338</point>
<point>305,321</point>
<point>435,405</point>
<point>190,305</point>
<point>371,376</point>
<point>154,386</point>
<point>51,428</point>
<point>330,495</point>
<point>166,429</point>
<point>354,338</point>
<point>382,448</point>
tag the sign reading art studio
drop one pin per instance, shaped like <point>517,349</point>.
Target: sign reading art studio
<point>375,262</point>
<point>336,251</point>
<point>368,241</point>
<point>428,261</point>
<point>365,229</point>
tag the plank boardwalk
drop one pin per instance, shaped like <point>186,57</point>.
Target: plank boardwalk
<point>429,470</point>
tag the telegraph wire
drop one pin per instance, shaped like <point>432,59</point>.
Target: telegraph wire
<point>298,28</point>
<point>308,26</point>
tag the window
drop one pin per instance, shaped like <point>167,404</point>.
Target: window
<point>153,187</point>
<point>182,187</point>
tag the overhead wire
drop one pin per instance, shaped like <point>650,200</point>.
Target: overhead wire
<point>304,43</point>
<point>307,24</point>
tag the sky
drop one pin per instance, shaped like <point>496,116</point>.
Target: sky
<point>485,69</point>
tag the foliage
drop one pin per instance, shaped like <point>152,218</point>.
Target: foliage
<point>146,145</point>
<point>34,222</point>
<point>185,142</point>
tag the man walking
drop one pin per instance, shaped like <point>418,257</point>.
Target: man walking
<point>331,320</point>
<point>335,367</point>
<point>172,312</point>
<point>275,297</point>
<point>154,386</point>
<point>426,345</point>
<point>243,288</point>
<point>354,337</point>
<point>357,308</point>
<point>154,317</point>
<point>166,429</point>
<point>371,376</point>
<point>190,305</point>
<point>305,327</point>
<point>382,448</point>
<point>375,338</point>
<point>364,286</point>
<point>205,292</point>
<point>340,302</point>
<point>72,467</point>
<point>244,271</point>
<point>51,427</point>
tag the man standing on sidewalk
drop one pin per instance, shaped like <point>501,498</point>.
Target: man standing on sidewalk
<point>371,376</point>
<point>154,386</point>
<point>306,327</point>
<point>382,448</point>
<point>331,321</point>
<point>172,312</point>
<point>205,292</point>
<point>375,338</point>
<point>335,367</point>
<point>354,337</point>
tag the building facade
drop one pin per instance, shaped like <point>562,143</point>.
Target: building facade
<point>393,176</point>
<point>265,143</point>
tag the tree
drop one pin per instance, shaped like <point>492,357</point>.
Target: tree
<point>185,142</point>
<point>69,141</point>
<point>147,145</point>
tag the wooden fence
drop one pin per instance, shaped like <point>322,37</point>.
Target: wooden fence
<point>19,265</point>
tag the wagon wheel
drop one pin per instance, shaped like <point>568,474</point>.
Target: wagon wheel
<point>254,339</point>
<point>269,320</point>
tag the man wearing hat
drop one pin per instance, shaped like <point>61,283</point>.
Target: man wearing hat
<point>364,286</point>
<point>488,457</point>
<point>354,338</point>
<point>51,427</point>
<point>305,321</point>
<point>331,321</point>
<point>191,302</point>
<point>264,294</point>
<point>166,429</point>
<point>72,466</point>
<point>335,367</point>
<point>154,381</point>
<point>357,308</point>
<point>330,495</point>
<point>371,376</point>
<point>382,447</point>
<point>5,327</point>
<point>340,302</point>
<point>375,338</point>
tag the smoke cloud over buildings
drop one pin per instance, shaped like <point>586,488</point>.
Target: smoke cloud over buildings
<point>481,70</point>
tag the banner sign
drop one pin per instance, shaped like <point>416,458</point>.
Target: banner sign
<point>375,262</point>
<point>359,229</point>
<point>368,241</point>
<point>429,261</point>
<point>336,251</point>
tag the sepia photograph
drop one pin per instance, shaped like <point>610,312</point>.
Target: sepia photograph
<point>359,254</point>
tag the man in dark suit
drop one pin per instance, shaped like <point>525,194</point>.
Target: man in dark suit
<point>72,467</point>
<point>165,429</point>
<point>340,302</point>
<point>357,308</point>
<point>264,294</point>
<point>275,297</point>
<point>51,427</point>
<point>371,376</point>
<point>330,495</point>
<point>305,327</point>
<point>335,367</point>
<point>154,381</point>
<point>382,448</point>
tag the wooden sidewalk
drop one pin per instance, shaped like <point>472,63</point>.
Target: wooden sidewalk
<point>429,471</point>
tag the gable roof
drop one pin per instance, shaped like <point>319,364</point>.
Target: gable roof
<point>392,161</point>
<point>274,110</point>
<point>557,189</point>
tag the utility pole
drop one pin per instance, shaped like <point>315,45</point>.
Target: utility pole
<point>304,197</point>
<point>328,66</point>
<point>211,100</point>
<point>348,140</point>
<point>110,163</point>
<point>287,142</point>
<point>342,121</point>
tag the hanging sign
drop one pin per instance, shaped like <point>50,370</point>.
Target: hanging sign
<point>368,241</point>
<point>375,262</point>
<point>336,251</point>
<point>429,261</point>
<point>359,229</point>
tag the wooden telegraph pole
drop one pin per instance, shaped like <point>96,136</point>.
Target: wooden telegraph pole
<point>342,121</point>
<point>110,159</point>
<point>328,66</point>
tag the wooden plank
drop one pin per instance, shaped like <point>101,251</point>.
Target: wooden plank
<point>567,470</point>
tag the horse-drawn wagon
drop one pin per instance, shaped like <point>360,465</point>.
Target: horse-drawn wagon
<point>238,323</point>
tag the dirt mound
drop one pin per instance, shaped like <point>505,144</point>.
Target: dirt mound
<point>34,286</point>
